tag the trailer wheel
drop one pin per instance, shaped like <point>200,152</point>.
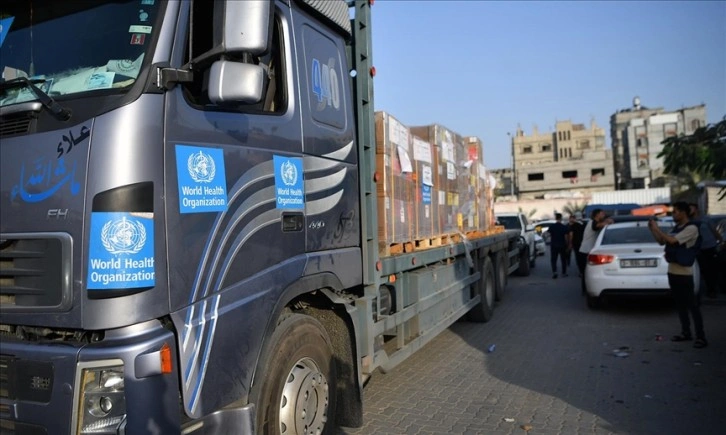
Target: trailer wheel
<point>297,394</point>
<point>524,269</point>
<point>486,288</point>
<point>502,269</point>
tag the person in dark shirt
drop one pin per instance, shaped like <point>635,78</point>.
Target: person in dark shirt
<point>577,229</point>
<point>559,242</point>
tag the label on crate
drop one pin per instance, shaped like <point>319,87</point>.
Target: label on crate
<point>450,171</point>
<point>447,148</point>
<point>404,160</point>
<point>421,150</point>
<point>403,215</point>
<point>442,197</point>
<point>425,194</point>
<point>427,176</point>
<point>427,211</point>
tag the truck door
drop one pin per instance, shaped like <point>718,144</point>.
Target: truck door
<point>331,173</point>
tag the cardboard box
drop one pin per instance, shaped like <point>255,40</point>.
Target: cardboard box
<point>395,189</point>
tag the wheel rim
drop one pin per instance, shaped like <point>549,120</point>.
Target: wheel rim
<point>304,402</point>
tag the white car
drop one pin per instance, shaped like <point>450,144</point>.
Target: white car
<point>627,261</point>
<point>539,245</point>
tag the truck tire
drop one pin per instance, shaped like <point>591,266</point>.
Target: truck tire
<point>524,269</point>
<point>297,390</point>
<point>486,288</point>
<point>502,274</point>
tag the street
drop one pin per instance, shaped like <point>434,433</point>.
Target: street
<point>558,368</point>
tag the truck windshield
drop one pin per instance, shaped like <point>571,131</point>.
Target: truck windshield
<point>73,46</point>
<point>509,222</point>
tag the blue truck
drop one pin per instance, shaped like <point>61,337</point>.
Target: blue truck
<point>188,228</point>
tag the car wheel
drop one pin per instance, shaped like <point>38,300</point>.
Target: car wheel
<point>524,269</point>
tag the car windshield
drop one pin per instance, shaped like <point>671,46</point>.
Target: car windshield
<point>71,46</point>
<point>627,235</point>
<point>509,222</point>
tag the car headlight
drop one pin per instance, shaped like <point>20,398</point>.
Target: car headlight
<point>101,400</point>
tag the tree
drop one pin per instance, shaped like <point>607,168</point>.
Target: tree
<point>702,153</point>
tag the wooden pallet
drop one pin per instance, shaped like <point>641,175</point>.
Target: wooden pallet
<point>396,248</point>
<point>439,240</point>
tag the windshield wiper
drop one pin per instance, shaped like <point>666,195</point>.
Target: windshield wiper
<point>60,112</point>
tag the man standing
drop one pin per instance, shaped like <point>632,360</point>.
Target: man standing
<point>592,229</point>
<point>559,241</point>
<point>680,244</point>
<point>710,240</point>
<point>576,233</point>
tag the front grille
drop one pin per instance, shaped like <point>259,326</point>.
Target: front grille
<point>35,271</point>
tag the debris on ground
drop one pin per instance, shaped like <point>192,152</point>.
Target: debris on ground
<point>622,352</point>
<point>508,419</point>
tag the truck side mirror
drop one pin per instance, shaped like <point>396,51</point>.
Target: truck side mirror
<point>235,82</point>
<point>246,26</point>
<point>529,227</point>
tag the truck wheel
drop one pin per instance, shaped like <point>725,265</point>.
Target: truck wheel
<point>297,394</point>
<point>502,269</point>
<point>486,288</point>
<point>524,263</point>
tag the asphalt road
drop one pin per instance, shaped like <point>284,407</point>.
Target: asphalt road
<point>555,371</point>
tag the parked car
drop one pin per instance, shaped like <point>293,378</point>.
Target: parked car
<point>539,245</point>
<point>542,228</point>
<point>627,261</point>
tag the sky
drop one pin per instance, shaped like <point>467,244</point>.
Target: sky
<point>482,68</point>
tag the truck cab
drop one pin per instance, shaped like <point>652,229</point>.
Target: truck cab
<point>188,233</point>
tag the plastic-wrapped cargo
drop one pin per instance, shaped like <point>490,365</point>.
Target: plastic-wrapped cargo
<point>425,191</point>
<point>450,152</point>
<point>396,187</point>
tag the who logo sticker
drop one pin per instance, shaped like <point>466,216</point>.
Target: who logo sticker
<point>201,179</point>
<point>121,251</point>
<point>289,187</point>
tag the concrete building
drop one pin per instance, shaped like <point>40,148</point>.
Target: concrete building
<point>637,134</point>
<point>570,162</point>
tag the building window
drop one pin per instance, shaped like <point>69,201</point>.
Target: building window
<point>527,149</point>
<point>640,131</point>
<point>584,144</point>
<point>642,142</point>
<point>695,124</point>
<point>547,148</point>
<point>642,164</point>
<point>538,176</point>
<point>596,173</point>
<point>569,174</point>
<point>670,130</point>
<point>568,135</point>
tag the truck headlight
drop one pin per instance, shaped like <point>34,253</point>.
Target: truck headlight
<point>101,400</point>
